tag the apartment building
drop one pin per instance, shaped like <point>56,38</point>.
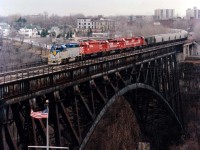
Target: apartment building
<point>193,13</point>
<point>164,14</point>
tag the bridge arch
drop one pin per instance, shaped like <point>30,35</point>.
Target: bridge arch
<point>122,92</point>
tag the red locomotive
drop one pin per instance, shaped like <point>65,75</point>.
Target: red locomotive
<point>94,47</point>
<point>99,46</point>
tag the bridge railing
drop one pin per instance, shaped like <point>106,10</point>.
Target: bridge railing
<point>6,68</point>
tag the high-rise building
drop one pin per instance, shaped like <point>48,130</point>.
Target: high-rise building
<point>163,14</point>
<point>193,13</point>
<point>189,13</point>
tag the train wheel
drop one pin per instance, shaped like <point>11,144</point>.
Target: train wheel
<point>82,57</point>
<point>62,61</point>
<point>77,58</point>
<point>103,53</point>
<point>65,61</point>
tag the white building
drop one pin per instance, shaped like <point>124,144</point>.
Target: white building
<point>28,32</point>
<point>193,13</point>
<point>164,14</point>
<point>84,23</point>
<point>96,24</point>
<point>4,29</point>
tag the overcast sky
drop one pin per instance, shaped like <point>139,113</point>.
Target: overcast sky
<point>94,7</point>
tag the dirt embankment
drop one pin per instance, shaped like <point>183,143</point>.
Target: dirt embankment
<point>15,53</point>
<point>118,130</point>
<point>190,94</point>
<point>192,126</point>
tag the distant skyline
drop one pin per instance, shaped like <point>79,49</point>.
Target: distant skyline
<point>94,7</point>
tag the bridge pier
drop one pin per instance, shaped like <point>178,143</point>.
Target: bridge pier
<point>189,50</point>
<point>2,128</point>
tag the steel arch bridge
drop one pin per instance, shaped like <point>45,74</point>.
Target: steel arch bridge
<point>80,95</point>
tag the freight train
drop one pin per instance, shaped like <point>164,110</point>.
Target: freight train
<point>60,54</point>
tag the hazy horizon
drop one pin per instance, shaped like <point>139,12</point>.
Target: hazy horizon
<point>93,7</point>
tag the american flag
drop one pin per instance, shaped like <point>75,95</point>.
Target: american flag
<point>39,114</point>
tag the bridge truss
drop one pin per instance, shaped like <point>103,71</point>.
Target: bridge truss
<point>80,93</point>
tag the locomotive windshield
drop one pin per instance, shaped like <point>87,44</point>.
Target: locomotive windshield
<point>72,45</point>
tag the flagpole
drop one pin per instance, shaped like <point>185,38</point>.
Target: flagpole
<point>39,115</point>
<point>47,136</point>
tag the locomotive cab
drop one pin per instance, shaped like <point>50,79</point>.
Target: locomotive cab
<point>64,53</point>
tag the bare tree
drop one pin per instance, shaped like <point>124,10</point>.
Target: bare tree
<point>140,27</point>
<point>181,24</point>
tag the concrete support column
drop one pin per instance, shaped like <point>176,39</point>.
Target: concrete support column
<point>189,50</point>
<point>192,50</point>
<point>185,51</point>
